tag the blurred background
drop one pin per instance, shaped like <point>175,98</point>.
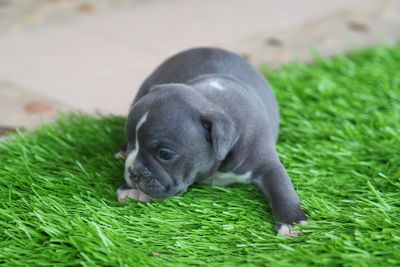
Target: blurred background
<point>93,55</point>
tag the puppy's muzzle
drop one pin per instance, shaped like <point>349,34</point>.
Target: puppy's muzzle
<point>146,182</point>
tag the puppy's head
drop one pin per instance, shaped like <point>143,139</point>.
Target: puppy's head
<point>175,136</point>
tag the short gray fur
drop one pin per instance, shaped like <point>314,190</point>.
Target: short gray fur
<point>217,113</point>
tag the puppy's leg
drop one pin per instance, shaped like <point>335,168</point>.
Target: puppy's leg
<point>121,153</point>
<point>277,188</point>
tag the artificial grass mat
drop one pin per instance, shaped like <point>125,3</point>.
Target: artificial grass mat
<point>339,140</point>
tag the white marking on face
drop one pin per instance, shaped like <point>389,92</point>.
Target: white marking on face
<point>217,85</point>
<point>132,155</point>
<point>228,178</point>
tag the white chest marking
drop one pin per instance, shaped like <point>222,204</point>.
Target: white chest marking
<point>217,85</point>
<point>130,159</point>
<point>228,178</point>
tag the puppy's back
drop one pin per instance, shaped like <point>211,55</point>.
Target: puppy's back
<point>192,63</point>
<point>195,62</point>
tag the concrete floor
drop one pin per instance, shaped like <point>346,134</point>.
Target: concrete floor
<point>93,55</point>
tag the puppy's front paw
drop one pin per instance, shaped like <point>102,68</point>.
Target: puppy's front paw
<point>120,155</point>
<point>123,192</point>
<point>289,229</point>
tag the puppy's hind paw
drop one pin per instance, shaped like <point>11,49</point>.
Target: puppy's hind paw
<point>289,229</point>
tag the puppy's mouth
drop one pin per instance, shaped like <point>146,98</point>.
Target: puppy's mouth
<point>144,186</point>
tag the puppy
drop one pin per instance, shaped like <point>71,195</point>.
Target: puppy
<point>206,115</point>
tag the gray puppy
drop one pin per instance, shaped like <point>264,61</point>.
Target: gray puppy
<point>206,115</point>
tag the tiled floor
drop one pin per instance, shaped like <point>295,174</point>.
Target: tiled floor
<point>376,22</point>
<point>23,108</point>
<point>96,62</point>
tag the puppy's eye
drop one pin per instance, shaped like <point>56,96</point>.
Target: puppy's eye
<point>166,154</point>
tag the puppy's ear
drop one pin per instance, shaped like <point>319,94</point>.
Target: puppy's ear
<point>220,132</point>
